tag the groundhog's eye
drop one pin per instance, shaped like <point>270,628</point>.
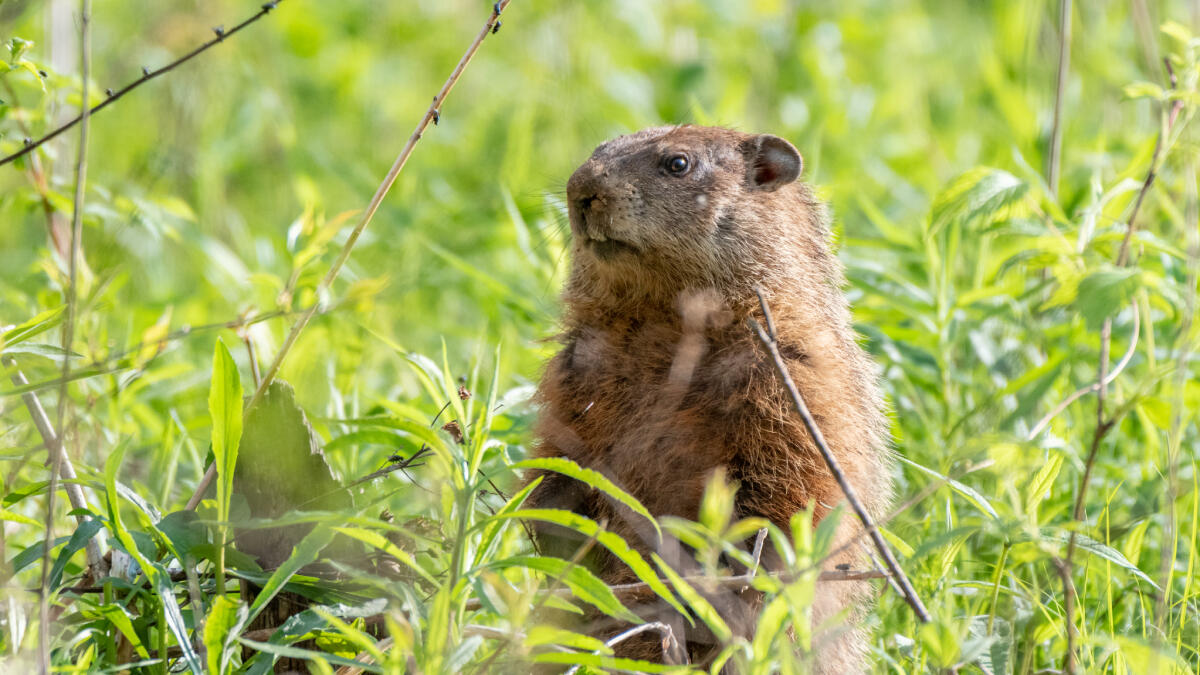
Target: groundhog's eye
<point>678,165</point>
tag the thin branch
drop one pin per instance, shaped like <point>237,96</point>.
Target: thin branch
<point>669,643</point>
<point>68,335</point>
<point>757,555</point>
<point>95,553</point>
<point>1133,341</point>
<point>1060,87</point>
<point>147,75</point>
<point>635,592</point>
<point>769,341</point>
<point>432,115</point>
<point>1152,173</point>
<point>1103,425</point>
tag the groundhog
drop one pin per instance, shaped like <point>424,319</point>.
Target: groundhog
<point>660,384</point>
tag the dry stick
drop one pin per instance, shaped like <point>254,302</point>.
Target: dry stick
<point>624,592</point>
<point>1064,64</point>
<point>432,114</point>
<point>757,556</point>
<point>1103,426</point>
<point>68,336</point>
<point>95,554</point>
<point>668,639</point>
<point>768,339</point>
<point>147,75</point>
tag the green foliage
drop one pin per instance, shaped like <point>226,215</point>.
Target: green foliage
<point>980,289</point>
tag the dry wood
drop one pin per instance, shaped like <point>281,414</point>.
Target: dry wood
<point>767,337</point>
<point>432,115</point>
<point>147,75</point>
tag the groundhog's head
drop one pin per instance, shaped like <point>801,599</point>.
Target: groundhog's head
<point>679,208</point>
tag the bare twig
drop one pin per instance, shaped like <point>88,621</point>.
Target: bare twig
<point>251,357</point>
<point>1155,160</point>
<point>757,555</point>
<point>634,592</point>
<point>768,339</point>
<point>95,553</point>
<point>669,643</point>
<point>68,335</point>
<point>432,114</point>
<point>1129,352</point>
<point>147,75</point>
<point>1060,88</point>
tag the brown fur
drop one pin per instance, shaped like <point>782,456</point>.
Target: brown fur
<point>660,383</point>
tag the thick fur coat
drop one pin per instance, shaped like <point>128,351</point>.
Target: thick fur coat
<point>660,383</point>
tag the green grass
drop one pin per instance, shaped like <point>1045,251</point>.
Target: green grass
<point>225,189</point>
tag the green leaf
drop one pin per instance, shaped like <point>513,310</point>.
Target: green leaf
<point>976,196</point>
<point>183,532</point>
<point>1143,90</point>
<point>1104,292</point>
<point>304,554</point>
<point>161,580</point>
<point>1040,486</point>
<point>377,540</point>
<point>609,540</point>
<point>17,47</point>
<point>970,493</point>
<point>593,479</point>
<point>309,655</point>
<point>539,636</point>
<point>5,514</point>
<point>82,535</point>
<point>118,616</point>
<point>35,326</point>
<point>493,526</point>
<point>225,407</point>
<point>1086,543</point>
<point>701,606</point>
<point>583,584</point>
<point>225,620</point>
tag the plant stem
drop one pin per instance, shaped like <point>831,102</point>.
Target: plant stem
<point>68,335</point>
<point>432,114</point>
<point>147,75</point>
<point>1060,87</point>
<point>767,337</point>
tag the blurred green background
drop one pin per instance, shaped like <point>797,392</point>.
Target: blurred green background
<point>196,178</point>
<point>218,191</point>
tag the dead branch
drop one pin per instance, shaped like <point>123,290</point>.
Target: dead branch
<point>95,553</point>
<point>1103,425</point>
<point>147,75</point>
<point>669,643</point>
<point>432,115</point>
<point>767,337</point>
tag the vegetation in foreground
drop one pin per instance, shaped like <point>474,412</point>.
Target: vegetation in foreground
<point>995,285</point>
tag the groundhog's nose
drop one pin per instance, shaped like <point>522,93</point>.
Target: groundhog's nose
<point>586,186</point>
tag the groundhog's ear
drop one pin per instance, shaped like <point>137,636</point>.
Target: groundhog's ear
<point>771,162</point>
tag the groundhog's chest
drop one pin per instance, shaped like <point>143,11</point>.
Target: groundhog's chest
<point>651,405</point>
